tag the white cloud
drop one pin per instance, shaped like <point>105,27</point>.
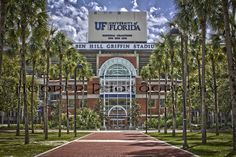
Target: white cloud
<point>73,1</point>
<point>70,31</point>
<point>95,6</point>
<point>135,10</point>
<point>172,14</point>
<point>153,9</point>
<point>123,9</point>
<point>135,4</point>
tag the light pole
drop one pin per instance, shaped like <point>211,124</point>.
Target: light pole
<point>79,66</point>
<point>176,31</point>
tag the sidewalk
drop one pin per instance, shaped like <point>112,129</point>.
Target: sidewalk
<point>116,144</point>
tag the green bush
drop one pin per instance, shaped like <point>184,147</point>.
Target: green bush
<point>152,123</point>
<point>179,121</point>
<point>88,119</point>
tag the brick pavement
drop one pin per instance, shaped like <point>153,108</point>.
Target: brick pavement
<point>117,144</point>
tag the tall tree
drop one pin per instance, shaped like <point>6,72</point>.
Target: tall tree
<point>203,9</point>
<point>156,61</point>
<point>62,46</point>
<point>69,62</point>
<point>39,32</point>
<point>3,12</point>
<point>27,13</point>
<point>231,65</point>
<point>170,42</point>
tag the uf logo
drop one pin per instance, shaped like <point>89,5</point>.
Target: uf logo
<point>100,25</point>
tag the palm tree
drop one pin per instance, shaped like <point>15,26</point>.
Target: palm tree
<point>34,47</point>
<point>145,74</point>
<point>23,24</point>
<point>66,68</point>
<point>166,71</point>
<point>62,45</point>
<point>70,61</point>
<point>231,66</point>
<point>46,84</point>
<point>215,57</point>
<point>3,12</point>
<point>39,32</point>
<point>148,73</point>
<point>183,20</point>
<point>170,42</point>
<point>86,72</point>
<point>203,9</point>
<point>156,60</point>
<point>27,14</point>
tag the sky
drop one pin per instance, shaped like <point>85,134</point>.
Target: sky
<point>71,16</point>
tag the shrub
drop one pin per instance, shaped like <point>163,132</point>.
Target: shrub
<point>88,119</point>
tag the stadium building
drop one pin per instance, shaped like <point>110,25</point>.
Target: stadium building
<point>117,49</point>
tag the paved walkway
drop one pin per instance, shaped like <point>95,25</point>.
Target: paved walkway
<point>117,144</point>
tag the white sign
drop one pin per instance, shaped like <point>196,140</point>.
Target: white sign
<point>117,27</point>
<point>115,46</point>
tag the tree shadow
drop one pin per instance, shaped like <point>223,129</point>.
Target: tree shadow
<point>160,153</point>
<point>231,153</point>
<point>204,152</point>
<point>149,144</point>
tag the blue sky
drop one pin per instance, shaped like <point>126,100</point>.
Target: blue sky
<point>70,16</point>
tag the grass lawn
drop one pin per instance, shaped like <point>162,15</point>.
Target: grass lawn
<point>217,146</point>
<point>11,145</point>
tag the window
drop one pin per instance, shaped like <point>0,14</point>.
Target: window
<point>54,96</point>
<point>71,103</point>
<point>162,102</point>
<point>152,103</point>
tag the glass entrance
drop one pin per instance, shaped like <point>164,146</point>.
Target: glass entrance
<point>117,80</point>
<point>117,117</point>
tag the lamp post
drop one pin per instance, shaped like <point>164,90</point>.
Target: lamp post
<point>176,31</point>
<point>79,66</point>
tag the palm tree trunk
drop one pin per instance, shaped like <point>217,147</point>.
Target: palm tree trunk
<point>2,30</point>
<point>215,95</point>
<point>149,97</point>
<point>231,68</point>
<point>203,87</point>
<point>18,105</point>
<point>23,52</point>
<point>199,79</point>
<point>165,112</point>
<point>32,97</point>
<point>82,105</point>
<point>60,101</point>
<point>173,93</point>
<point>159,99</point>
<point>233,24</point>
<point>176,95</point>
<point>67,103</point>
<point>199,71</point>
<point>190,104</point>
<point>8,118</point>
<point>75,99</point>
<point>46,96</point>
<point>184,71</point>
<point>188,84</point>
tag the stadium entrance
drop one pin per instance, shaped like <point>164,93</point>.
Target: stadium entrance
<point>117,80</point>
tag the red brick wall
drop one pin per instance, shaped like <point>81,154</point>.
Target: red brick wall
<point>93,86</point>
